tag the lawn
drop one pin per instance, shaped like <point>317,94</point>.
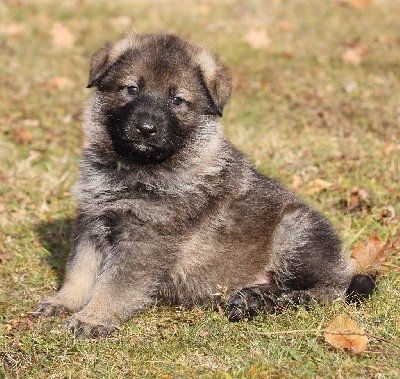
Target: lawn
<point>316,104</point>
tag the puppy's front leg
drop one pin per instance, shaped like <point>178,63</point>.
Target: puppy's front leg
<point>81,272</point>
<point>125,286</point>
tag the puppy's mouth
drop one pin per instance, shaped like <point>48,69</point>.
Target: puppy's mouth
<point>140,151</point>
<point>138,144</point>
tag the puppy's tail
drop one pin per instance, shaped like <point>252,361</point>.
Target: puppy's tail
<point>360,288</point>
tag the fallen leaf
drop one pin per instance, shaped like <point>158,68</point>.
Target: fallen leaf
<point>23,322</point>
<point>286,54</point>
<point>387,213</point>
<point>120,21</point>
<point>296,183</point>
<point>391,250</point>
<point>203,9</point>
<point>353,55</point>
<point>356,4</point>
<point>60,82</point>
<point>62,37</point>
<point>370,256</point>
<point>203,333</point>
<point>285,26</point>
<point>358,199</point>
<point>388,39</point>
<point>344,333</point>
<point>359,4</point>
<point>4,256</point>
<point>316,185</point>
<point>349,87</point>
<point>31,123</point>
<point>67,119</point>
<point>12,29</point>
<point>257,38</point>
<point>21,135</point>
<point>367,256</point>
<point>389,148</point>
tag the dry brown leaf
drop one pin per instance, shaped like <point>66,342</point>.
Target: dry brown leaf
<point>344,333</point>
<point>316,185</point>
<point>60,82</point>
<point>390,147</point>
<point>120,21</point>
<point>31,123</point>
<point>296,183</point>
<point>369,256</point>
<point>388,39</point>
<point>357,198</point>
<point>23,322</point>
<point>12,29</point>
<point>387,213</point>
<point>285,26</point>
<point>286,54</point>
<point>4,256</point>
<point>353,55</point>
<point>203,9</point>
<point>21,135</point>
<point>391,248</point>
<point>359,4</point>
<point>203,333</point>
<point>356,4</point>
<point>257,38</point>
<point>62,37</point>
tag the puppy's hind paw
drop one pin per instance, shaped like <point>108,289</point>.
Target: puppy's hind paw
<point>86,330</point>
<point>46,309</point>
<point>245,304</point>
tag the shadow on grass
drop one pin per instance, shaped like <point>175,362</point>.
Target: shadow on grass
<point>55,236</point>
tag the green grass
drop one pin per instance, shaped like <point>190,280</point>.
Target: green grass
<point>290,112</point>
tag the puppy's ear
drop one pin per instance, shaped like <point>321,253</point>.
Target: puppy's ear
<point>216,76</point>
<point>108,55</point>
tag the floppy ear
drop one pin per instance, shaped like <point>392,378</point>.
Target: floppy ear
<point>104,59</point>
<point>216,76</point>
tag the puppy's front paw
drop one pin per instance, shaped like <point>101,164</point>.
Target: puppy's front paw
<point>47,309</point>
<point>86,329</point>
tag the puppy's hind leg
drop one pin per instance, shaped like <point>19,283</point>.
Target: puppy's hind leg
<point>81,272</point>
<point>250,301</point>
<point>306,267</point>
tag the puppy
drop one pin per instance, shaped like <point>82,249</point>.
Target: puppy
<point>169,210</point>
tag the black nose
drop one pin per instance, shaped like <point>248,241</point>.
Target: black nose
<point>146,128</point>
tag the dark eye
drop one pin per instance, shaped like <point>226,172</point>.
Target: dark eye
<point>177,100</point>
<point>133,90</point>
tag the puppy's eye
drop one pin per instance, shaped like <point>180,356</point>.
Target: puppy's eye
<point>177,100</point>
<point>133,90</point>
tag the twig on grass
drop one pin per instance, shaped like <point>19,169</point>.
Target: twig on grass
<point>318,331</point>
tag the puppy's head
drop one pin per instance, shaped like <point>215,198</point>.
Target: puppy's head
<point>154,91</point>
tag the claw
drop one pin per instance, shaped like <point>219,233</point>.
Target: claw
<point>86,330</point>
<point>47,309</point>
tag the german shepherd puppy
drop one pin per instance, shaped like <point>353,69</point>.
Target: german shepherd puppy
<point>169,210</point>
